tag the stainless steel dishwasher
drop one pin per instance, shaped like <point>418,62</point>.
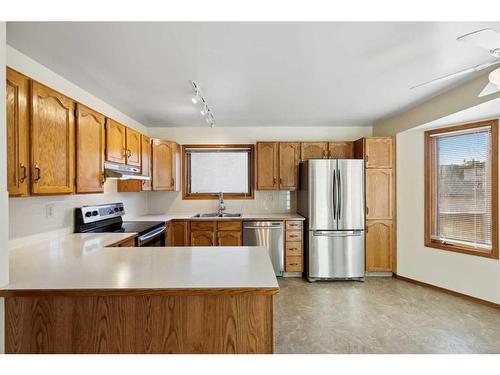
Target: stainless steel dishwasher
<point>268,234</point>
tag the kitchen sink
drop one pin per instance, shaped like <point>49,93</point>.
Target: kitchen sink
<point>214,214</point>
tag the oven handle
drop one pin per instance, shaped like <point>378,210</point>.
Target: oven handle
<point>150,235</point>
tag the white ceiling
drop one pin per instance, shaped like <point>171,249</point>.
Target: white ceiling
<point>254,74</point>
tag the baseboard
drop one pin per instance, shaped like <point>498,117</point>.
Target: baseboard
<point>448,291</point>
<point>378,274</point>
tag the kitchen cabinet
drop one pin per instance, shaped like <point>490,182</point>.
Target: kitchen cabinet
<point>379,245</point>
<point>133,144</point>
<point>267,165</point>
<point>17,102</point>
<point>293,246</point>
<point>52,143</point>
<point>380,192</point>
<point>378,152</point>
<point>229,233</point>
<point>340,150</point>
<point>178,233</point>
<point>165,163</point>
<point>378,185</point>
<point>116,142</point>
<point>278,165</point>
<point>202,233</point>
<point>89,150</point>
<point>289,158</point>
<point>140,185</point>
<point>313,150</point>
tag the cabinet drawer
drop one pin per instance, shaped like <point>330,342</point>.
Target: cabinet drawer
<point>229,225</point>
<point>293,249</point>
<point>294,225</point>
<point>293,236</point>
<point>293,264</point>
<point>202,225</point>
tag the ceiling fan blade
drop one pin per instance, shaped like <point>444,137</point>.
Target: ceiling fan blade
<point>458,74</point>
<point>485,38</point>
<point>489,89</point>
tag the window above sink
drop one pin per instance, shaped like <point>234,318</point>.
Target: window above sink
<point>210,169</point>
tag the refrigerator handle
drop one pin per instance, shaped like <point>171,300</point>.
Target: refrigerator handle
<point>339,194</point>
<point>334,190</point>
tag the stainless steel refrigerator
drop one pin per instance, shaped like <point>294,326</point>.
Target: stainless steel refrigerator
<point>331,198</point>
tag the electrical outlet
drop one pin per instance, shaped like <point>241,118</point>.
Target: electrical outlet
<point>49,210</point>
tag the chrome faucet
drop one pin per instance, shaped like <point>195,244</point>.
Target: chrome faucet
<point>222,206</point>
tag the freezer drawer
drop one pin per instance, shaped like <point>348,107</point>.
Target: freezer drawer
<point>336,255</point>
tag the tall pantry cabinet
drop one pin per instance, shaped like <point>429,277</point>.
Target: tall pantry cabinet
<point>378,153</point>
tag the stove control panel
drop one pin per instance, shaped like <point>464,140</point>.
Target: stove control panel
<point>92,214</point>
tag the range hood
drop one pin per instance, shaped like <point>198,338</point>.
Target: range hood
<point>123,172</point>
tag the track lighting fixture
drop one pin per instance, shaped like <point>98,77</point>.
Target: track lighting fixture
<point>205,109</point>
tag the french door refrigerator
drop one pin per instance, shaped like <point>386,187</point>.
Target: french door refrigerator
<point>331,198</point>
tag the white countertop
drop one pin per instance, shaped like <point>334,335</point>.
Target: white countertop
<point>82,261</point>
<point>169,217</point>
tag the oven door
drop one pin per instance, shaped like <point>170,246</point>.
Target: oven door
<point>154,238</point>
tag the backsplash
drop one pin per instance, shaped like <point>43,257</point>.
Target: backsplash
<point>265,201</point>
<point>31,215</point>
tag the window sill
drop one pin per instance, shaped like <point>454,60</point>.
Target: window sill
<point>492,254</point>
<point>208,196</point>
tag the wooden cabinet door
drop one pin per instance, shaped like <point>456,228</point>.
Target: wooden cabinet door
<point>164,164</point>
<point>378,152</point>
<point>89,150</point>
<point>379,191</point>
<point>202,238</point>
<point>229,238</point>
<point>52,141</point>
<point>146,161</point>
<point>267,165</point>
<point>313,150</point>
<point>379,242</point>
<point>133,142</point>
<point>17,133</point>
<point>179,233</point>
<point>289,158</point>
<point>116,147</point>
<point>340,150</point>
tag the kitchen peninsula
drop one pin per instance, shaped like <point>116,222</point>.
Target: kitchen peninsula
<point>79,294</point>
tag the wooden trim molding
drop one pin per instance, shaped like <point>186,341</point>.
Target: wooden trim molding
<point>430,197</point>
<point>448,291</point>
<point>185,172</point>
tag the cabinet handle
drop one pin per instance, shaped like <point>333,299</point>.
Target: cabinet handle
<point>23,176</point>
<point>366,158</point>
<point>293,235</point>
<point>103,179</point>
<point>172,181</point>
<point>274,181</point>
<point>324,154</point>
<point>281,181</point>
<point>129,153</point>
<point>38,174</point>
<point>124,152</point>
<point>367,210</point>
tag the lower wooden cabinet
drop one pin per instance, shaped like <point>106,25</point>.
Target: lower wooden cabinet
<point>229,233</point>
<point>379,245</point>
<point>293,246</point>
<point>178,233</point>
<point>130,242</point>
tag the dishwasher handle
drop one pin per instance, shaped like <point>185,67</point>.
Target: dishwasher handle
<point>266,227</point>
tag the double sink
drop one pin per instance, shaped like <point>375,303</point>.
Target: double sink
<point>215,214</point>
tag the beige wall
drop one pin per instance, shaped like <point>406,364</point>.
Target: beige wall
<point>450,102</point>
<point>468,274</point>
<point>265,201</point>
<point>27,216</point>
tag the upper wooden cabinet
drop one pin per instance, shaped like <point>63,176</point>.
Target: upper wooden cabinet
<point>165,157</point>
<point>289,158</point>
<point>378,152</point>
<point>314,150</point>
<point>146,161</point>
<point>89,150</point>
<point>133,145</point>
<point>52,141</point>
<point>116,138</point>
<point>340,150</point>
<point>379,190</point>
<point>267,166</point>
<point>17,99</point>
